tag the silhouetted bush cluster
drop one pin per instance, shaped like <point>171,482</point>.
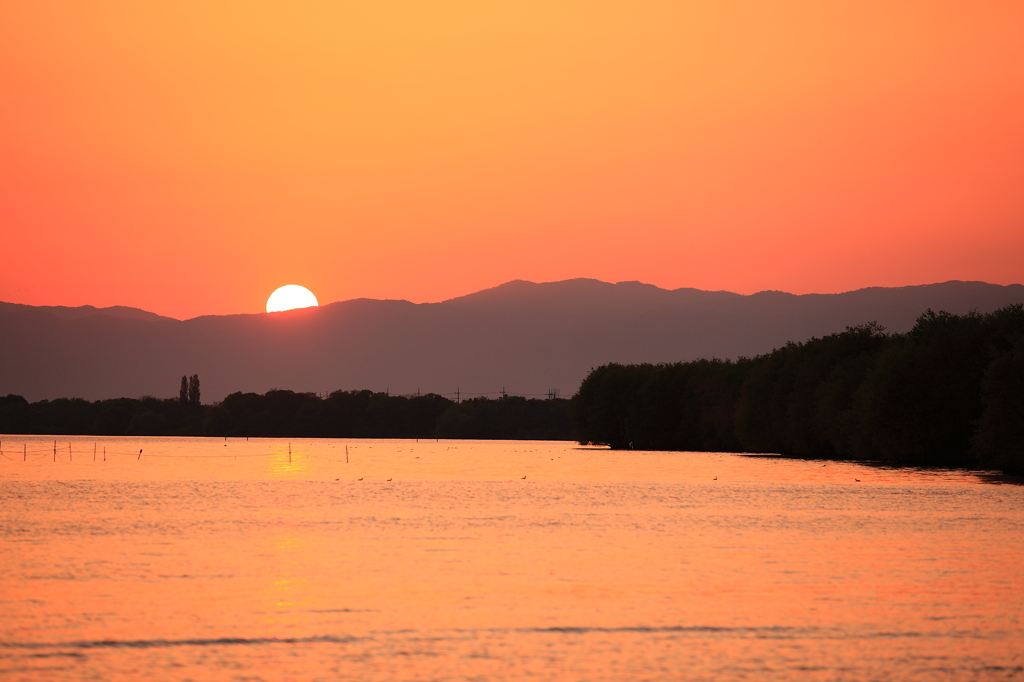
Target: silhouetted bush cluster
<point>948,393</point>
<point>344,414</point>
<point>509,418</point>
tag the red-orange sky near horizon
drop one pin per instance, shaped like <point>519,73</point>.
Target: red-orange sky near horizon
<point>188,158</point>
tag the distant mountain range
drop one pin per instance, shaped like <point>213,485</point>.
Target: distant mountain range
<point>524,337</point>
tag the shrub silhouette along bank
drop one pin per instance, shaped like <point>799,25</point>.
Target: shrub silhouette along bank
<point>948,393</point>
<point>343,414</point>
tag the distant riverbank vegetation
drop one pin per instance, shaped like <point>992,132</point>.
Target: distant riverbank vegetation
<point>342,414</point>
<point>948,393</point>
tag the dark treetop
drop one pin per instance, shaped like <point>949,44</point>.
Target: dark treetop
<point>343,414</point>
<point>950,392</point>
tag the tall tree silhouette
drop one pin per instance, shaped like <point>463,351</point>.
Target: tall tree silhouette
<point>183,392</point>
<point>193,390</point>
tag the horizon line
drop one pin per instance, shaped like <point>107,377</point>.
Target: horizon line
<point>505,284</point>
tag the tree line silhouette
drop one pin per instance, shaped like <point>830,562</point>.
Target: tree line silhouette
<point>950,393</point>
<point>279,413</point>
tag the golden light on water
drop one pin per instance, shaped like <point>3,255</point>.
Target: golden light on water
<point>285,462</point>
<point>282,560</point>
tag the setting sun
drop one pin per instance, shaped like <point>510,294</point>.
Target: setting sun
<point>289,297</point>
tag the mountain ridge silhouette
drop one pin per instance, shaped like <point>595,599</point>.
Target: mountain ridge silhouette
<point>522,336</point>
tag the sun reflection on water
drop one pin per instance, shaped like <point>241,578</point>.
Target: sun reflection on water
<point>288,461</point>
<point>216,558</point>
<point>288,594</point>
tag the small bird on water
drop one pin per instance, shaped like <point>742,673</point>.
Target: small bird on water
<point>389,479</point>
<point>524,478</point>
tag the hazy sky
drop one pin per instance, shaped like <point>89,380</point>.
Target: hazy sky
<point>188,158</point>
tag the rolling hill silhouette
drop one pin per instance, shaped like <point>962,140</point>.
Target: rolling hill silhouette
<point>520,336</point>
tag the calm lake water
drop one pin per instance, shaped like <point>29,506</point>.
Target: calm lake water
<point>232,560</point>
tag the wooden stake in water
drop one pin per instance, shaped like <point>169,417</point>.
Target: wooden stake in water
<point>140,455</point>
<point>54,451</point>
<point>104,453</point>
<point>346,454</point>
<point>289,453</point>
<point>94,452</point>
<point>70,458</point>
<point>24,452</point>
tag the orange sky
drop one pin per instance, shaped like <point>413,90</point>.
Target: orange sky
<point>188,158</point>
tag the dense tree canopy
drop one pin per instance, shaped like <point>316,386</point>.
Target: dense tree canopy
<point>343,414</point>
<point>948,393</point>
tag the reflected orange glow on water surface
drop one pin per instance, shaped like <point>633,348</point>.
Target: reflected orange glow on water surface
<point>287,464</point>
<point>221,560</point>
